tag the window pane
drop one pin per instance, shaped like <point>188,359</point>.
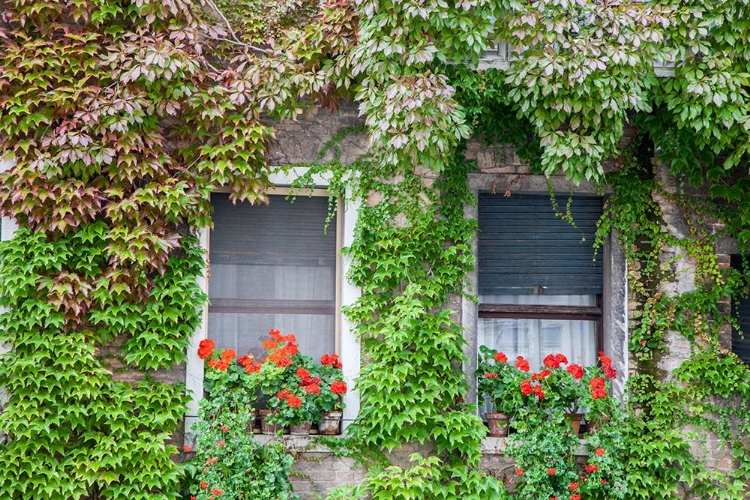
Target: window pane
<point>540,300</point>
<point>272,267</point>
<point>535,338</point>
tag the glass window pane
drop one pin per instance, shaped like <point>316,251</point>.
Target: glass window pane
<point>540,300</point>
<point>535,338</point>
<point>272,266</point>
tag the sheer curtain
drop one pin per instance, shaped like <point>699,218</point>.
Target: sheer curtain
<point>272,267</point>
<point>535,338</point>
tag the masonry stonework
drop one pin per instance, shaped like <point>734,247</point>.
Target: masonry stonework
<point>500,170</point>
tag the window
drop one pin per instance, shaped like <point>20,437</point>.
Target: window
<point>539,286</point>
<point>272,266</point>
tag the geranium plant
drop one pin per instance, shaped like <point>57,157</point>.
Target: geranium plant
<point>500,381</point>
<point>331,385</point>
<point>230,463</point>
<point>561,386</point>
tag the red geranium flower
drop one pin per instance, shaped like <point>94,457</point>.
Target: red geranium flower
<point>187,448</point>
<point>538,392</point>
<point>526,388</point>
<point>224,428</point>
<point>522,364</point>
<point>604,360</point>
<point>219,364</point>
<point>291,349</point>
<point>204,485</point>
<point>283,394</point>
<point>312,389</point>
<point>490,375</point>
<point>519,472</point>
<point>551,471</point>
<point>338,387</point>
<point>575,496</point>
<point>591,468</point>
<point>573,486</point>
<point>604,481</point>
<point>560,358</point>
<point>551,361</point>
<point>253,367</point>
<point>206,348</point>
<point>228,354</point>
<point>575,370</point>
<point>541,375</point>
<point>294,401</point>
<point>275,334</point>
<point>610,372</point>
<point>216,491</point>
<point>500,357</point>
<point>245,361</point>
<point>302,373</point>
<point>599,452</point>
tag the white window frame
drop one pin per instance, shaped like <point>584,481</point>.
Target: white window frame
<point>347,345</point>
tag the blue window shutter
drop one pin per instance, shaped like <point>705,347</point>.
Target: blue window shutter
<point>524,247</point>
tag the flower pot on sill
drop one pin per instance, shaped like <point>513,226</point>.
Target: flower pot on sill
<point>329,423</point>
<point>498,424</point>
<point>302,429</point>
<point>265,427</point>
<point>575,421</point>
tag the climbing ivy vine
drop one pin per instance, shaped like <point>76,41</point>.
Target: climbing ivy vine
<point>118,117</point>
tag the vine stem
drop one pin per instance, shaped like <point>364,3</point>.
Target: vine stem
<point>234,40</point>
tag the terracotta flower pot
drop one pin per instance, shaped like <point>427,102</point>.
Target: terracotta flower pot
<point>265,427</point>
<point>575,421</point>
<point>302,429</point>
<point>498,424</point>
<point>329,423</point>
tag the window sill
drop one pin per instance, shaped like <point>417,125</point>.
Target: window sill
<point>312,444</point>
<point>306,444</point>
<point>497,445</point>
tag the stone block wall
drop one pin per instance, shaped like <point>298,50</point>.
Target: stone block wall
<point>499,169</point>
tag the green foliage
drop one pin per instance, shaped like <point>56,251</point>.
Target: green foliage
<point>232,464</point>
<point>120,117</point>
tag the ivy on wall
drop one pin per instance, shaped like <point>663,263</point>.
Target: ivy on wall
<point>119,117</point>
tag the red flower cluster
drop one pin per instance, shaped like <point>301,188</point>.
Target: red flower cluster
<point>216,491</point>
<point>249,364</point>
<point>206,348</point>
<point>221,364</point>
<point>500,357</point>
<point>291,399</point>
<point>522,364</point>
<point>526,388</point>
<point>551,471</point>
<point>575,496</point>
<point>573,486</point>
<point>554,360</point>
<point>303,373</point>
<point>597,388</point>
<point>575,370</point>
<point>490,375</point>
<point>591,468</point>
<point>606,362</point>
<point>599,452</point>
<point>331,359</point>
<point>338,387</point>
<point>541,375</point>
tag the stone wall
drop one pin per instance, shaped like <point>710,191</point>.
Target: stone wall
<point>499,169</point>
